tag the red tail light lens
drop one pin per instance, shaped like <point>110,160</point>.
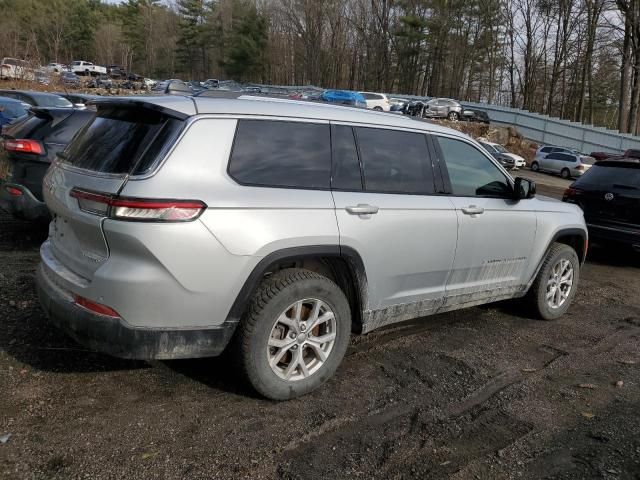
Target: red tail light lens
<point>580,167</point>
<point>24,146</point>
<point>571,193</point>
<point>95,307</point>
<point>13,191</point>
<point>137,208</point>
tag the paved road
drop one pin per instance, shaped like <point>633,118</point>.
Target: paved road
<point>547,184</point>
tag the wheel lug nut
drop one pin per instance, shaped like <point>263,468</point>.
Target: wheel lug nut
<point>292,335</point>
<point>303,327</point>
<point>295,347</point>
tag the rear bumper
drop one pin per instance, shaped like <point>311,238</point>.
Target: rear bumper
<point>114,337</point>
<point>25,205</point>
<point>614,234</point>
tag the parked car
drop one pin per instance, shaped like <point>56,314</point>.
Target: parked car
<point>149,83</point>
<point>10,109</point>
<point>376,101</point>
<point>211,83</point>
<point>203,199</point>
<point>443,108</point>
<point>37,99</point>
<point>42,77</point>
<point>195,86</point>
<point>28,148</point>
<point>80,67</point>
<point>54,67</point>
<point>16,69</point>
<point>566,164</point>
<point>116,71</point>
<point>100,81</point>
<point>70,79</point>
<point>608,194</point>
<point>398,105</point>
<point>475,115</point>
<point>507,159</point>
<point>629,153</point>
<point>344,97</point>
<point>545,150</point>
<point>172,87</point>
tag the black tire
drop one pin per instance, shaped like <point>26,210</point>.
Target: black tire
<point>535,167</point>
<point>565,173</point>
<point>536,296</point>
<point>453,116</point>
<point>378,109</point>
<point>272,298</point>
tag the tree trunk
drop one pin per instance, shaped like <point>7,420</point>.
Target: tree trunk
<point>625,80</point>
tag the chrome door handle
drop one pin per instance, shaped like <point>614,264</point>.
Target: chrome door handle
<point>362,209</point>
<point>472,210</point>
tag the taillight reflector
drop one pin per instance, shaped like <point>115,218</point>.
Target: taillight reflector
<point>24,146</point>
<point>95,307</point>
<point>139,209</point>
<point>16,192</point>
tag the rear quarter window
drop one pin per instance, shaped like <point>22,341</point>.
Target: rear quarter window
<point>603,176</point>
<point>281,154</point>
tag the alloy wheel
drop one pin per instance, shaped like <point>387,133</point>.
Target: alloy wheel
<point>559,284</point>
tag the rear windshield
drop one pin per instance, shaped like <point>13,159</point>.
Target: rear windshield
<point>608,175</point>
<point>122,141</point>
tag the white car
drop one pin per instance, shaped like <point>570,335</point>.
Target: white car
<point>376,101</point>
<point>13,68</point>
<point>496,148</point>
<point>80,67</point>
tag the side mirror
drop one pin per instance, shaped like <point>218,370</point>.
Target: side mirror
<point>524,188</point>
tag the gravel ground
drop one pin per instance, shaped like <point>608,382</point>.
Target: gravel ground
<point>481,393</point>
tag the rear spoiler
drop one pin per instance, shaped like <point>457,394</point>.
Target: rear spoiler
<point>146,104</point>
<point>55,114</point>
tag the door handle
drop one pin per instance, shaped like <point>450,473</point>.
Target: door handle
<point>472,210</point>
<point>362,209</point>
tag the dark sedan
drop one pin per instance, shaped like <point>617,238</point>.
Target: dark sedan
<point>27,149</point>
<point>37,99</point>
<point>609,195</point>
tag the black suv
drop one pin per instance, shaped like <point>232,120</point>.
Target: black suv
<point>27,149</point>
<point>609,195</point>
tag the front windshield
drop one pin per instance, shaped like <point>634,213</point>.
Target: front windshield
<point>501,149</point>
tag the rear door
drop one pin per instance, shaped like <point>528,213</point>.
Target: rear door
<point>115,143</point>
<point>404,231</point>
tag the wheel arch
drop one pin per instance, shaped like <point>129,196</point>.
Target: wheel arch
<point>341,264</point>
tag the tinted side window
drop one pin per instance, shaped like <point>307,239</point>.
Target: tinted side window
<point>346,167</point>
<point>470,172</point>
<point>546,149</point>
<point>566,158</point>
<point>281,154</point>
<point>553,156</point>
<point>394,161</point>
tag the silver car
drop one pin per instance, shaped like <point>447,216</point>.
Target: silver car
<point>568,165</point>
<point>443,108</point>
<point>183,227</point>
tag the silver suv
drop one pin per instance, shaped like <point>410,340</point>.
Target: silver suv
<point>183,227</point>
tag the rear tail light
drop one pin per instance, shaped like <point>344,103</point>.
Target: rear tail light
<point>95,307</point>
<point>24,146</point>
<point>580,167</point>
<point>13,191</point>
<point>138,209</point>
<point>571,193</point>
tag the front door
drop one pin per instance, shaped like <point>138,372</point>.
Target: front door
<point>495,232</point>
<point>405,234</point>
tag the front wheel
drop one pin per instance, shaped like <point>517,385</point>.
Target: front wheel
<point>555,286</point>
<point>535,167</point>
<point>294,335</point>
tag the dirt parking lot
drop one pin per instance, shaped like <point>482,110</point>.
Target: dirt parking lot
<point>481,393</point>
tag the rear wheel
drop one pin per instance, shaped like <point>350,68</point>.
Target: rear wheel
<point>294,334</point>
<point>565,173</point>
<point>555,286</point>
<point>377,109</point>
<point>453,116</point>
<point>535,167</point>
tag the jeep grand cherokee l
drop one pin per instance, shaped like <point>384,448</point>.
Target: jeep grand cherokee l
<point>187,226</point>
